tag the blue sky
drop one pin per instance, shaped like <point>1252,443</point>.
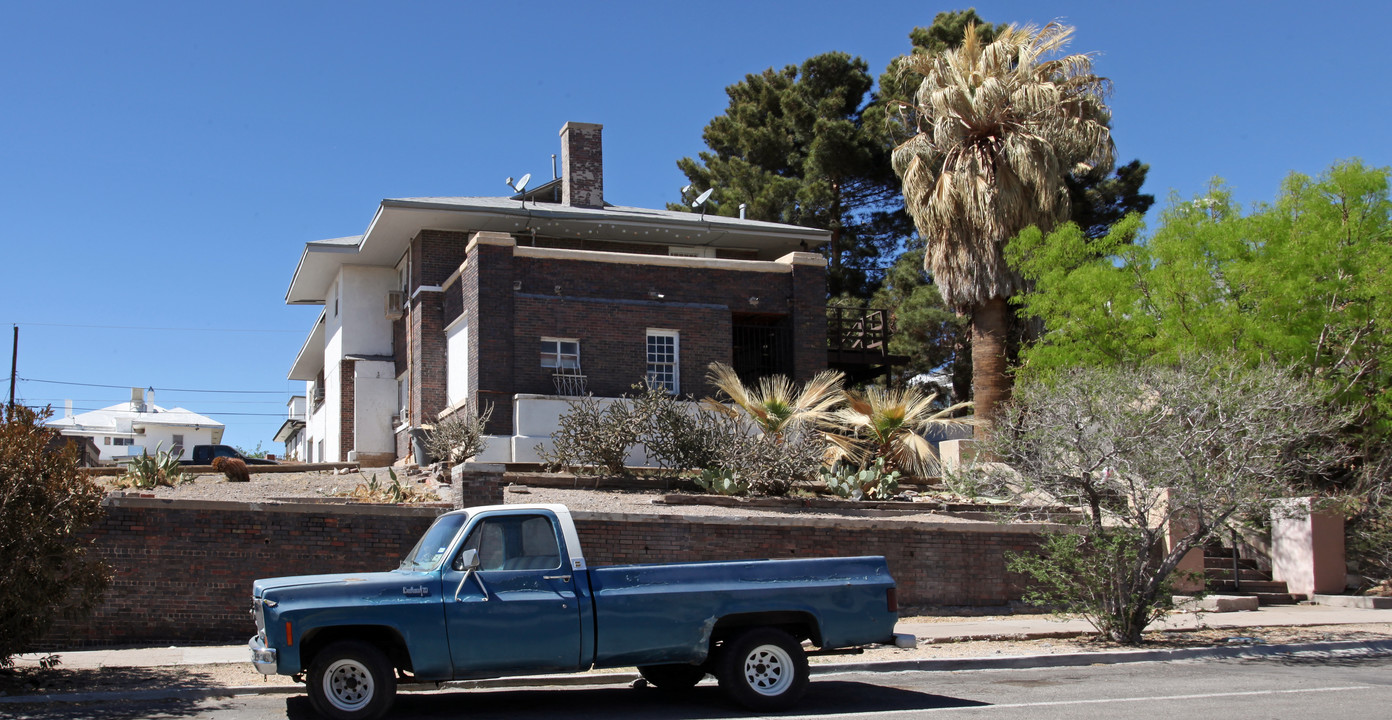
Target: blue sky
<point>163,164</point>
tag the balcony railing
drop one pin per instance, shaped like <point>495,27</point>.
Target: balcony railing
<point>859,330</point>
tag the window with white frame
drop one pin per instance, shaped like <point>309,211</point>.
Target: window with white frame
<point>561,355</point>
<point>177,448</point>
<point>403,399</point>
<point>663,354</point>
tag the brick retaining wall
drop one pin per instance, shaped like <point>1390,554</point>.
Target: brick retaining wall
<point>183,569</point>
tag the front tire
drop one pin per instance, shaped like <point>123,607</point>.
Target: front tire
<point>763,669</point>
<point>672,677</point>
<point>351,681</point>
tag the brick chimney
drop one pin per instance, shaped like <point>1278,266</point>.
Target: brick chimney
<point>582,165</point>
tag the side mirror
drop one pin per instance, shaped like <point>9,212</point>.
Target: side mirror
<point>467,560</point>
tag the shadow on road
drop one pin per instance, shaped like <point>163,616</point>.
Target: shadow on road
<point>611,703</point>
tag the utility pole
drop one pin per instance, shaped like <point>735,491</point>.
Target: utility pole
<point>14,368</point>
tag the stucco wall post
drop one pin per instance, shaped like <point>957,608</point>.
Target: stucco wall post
<point>1307,548</point>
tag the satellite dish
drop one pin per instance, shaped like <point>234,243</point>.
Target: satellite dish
<point>702,198</point>
<point>522,184</point>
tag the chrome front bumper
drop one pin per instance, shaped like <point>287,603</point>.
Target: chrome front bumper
<point>264,658</point>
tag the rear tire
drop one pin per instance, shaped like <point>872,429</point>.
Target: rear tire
<point>351,680</point>
<point>763,669</point>
<point>672,677</point>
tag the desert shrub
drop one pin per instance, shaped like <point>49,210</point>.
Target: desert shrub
<point>770,464</point>
<point>234,468</point>
<point>593,437</point>
<point>373,490</point>
<point>148,471</point>
<point>858,483</point>
<point>679,435</point>
<point>1144,450</point>
<point>459,437</point>
<point>46,507</point>
<point>1075,574</point>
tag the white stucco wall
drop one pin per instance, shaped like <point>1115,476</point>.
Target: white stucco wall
<point>374,403</point>
<point>535,418</point>
<point>162,437</point>
<point>332,409</point>
<point>362,310</point>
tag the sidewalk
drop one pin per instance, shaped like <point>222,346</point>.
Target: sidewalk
<point>1021,627</point>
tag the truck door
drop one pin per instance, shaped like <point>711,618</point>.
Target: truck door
<point>518,612</point>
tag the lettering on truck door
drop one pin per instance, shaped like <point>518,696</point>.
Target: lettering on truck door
<point>519,611</point>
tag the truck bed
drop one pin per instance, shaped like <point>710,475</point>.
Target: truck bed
<point>655,614</point>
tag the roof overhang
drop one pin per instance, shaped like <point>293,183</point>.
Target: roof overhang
<point>287,430</point>
<point>310,360</point>
<point>397,221</point>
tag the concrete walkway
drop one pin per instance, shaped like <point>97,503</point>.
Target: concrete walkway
<point>947,630</point>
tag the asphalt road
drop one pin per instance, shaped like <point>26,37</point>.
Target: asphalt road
<point>1227,689</point>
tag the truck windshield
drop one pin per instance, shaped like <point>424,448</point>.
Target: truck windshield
<point>434,543</point>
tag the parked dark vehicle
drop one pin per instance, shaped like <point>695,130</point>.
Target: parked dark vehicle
<point>505,590</point>
<point>204,454</point>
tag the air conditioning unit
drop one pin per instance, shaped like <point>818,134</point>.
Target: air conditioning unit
<point>396,301</point>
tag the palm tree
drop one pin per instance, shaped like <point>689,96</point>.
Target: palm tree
<point>776,404</point>
<point>889,423</point>
<point>1001,127</point>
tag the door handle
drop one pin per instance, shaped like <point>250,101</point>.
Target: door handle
<point>562,578</point>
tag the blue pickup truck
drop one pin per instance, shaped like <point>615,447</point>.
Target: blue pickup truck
<point>504,590</point>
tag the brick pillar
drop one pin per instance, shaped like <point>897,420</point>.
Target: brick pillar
<point>427,357</point>
<point>346,407</point>
<point>489,298</point>
<point>808,313</point>
<point>476,484</point>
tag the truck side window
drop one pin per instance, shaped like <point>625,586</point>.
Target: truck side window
<point>515,542</point>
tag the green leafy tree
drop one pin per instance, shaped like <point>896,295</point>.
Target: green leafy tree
<point>794,147</point>
<point>1304,281</point>
<point>1002,124</point>
<point>46,506</point>
<point>1158,457</point>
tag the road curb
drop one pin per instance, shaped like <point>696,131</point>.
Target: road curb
<point>1012,662</point>
<point>1015,662</point>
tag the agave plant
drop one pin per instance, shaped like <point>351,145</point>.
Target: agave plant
<point>777,403</point>
<point>888,424</point>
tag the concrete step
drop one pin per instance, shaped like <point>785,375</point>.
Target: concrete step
<point>1244,574</point>
<point>1226,562</point>
<point>1247,587</point>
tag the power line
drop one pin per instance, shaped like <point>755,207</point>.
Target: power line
<point>202,412</point>
<point>32,398</point>
<point>161,389</point>
<point>146,327</point>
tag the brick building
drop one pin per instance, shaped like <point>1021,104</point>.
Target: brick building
<point>518,302</point>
